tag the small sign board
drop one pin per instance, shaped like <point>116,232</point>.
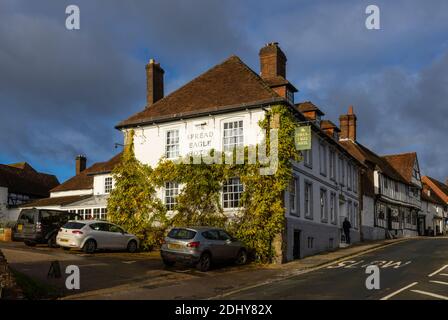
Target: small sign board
<point>302,138</point>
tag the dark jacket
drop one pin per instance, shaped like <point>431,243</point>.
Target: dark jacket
<point>346,225</point>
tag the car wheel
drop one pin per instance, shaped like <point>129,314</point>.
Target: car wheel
<point>30,243</point>
<point>204,262</point>
<point>241,257</point>
<point>132,246</point>
<point>89,246</point>
<point>52,241</point>
<point>65,248</point>
<point>168,263</point>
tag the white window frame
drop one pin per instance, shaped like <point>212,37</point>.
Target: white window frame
<point>333,206</point>
<point>294,203</point>
<point>323,158</point>
<point>308,158</point>
<point>232,190</point>
<point>108,184</point>
<point>323,203</point>
<point>308,199</point>
<point>333,164</point>
<point>171,191</point>
<point>233,137</point>
<point>172,143</point>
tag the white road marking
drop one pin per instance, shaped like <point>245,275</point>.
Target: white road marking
<point>438,296</point>
<point>439,282</point>
<point>443,274</point>
<point>436,272</point>
<point>398,291</point>
<point>129,262</point>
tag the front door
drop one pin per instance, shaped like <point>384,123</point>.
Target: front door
<point>389,219</point>
<point>296,245</point>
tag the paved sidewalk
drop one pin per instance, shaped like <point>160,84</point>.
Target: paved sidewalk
<point>222,282</point>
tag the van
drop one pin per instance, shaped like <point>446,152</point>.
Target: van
<point>40,226</point>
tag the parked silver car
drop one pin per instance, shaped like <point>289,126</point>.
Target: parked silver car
<point>201,246</point>
<point>90,235</point>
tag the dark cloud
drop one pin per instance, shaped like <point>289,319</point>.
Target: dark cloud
<point>62,92</point>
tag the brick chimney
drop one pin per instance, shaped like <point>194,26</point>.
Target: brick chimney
<point>347,124</point>
<point>81,162</point>
<point>154,82</point>
<point>272,61</point>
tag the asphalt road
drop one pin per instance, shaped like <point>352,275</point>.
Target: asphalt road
<point>415,269</point>
<point>98,271</point>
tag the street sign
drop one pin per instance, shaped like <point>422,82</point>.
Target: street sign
<point>302,138</point>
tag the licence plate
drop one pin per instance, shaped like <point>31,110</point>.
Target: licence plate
<point>174,246</point>
<point>63,240</point>
<point>19,227</point>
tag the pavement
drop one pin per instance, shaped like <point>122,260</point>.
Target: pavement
<point>331,275</point>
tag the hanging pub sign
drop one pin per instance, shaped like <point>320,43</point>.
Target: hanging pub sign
<point>302,138</point>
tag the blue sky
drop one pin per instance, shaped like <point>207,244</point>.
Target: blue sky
<point>62,92</point>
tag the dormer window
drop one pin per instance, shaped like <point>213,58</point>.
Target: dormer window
<point>290,96</point>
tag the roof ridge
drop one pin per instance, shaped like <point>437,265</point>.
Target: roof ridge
<point>256,76</point>
<point>400,154</point>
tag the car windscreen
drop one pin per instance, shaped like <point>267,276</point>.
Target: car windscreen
<point>181,234</point>
<point>73,225</point>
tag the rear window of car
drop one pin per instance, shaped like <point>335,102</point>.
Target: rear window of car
<point>73,225</point>
<point>181,234</point>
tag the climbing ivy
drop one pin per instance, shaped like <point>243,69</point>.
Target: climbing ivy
<point>257,223</point>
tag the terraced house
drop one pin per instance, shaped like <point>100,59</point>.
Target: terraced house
<point>221,110</point>
<point>391,188</point>
<point>435,205</point>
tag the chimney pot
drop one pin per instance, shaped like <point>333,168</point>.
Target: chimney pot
<point>81,162</point>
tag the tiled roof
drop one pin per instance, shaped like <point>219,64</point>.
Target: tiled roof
<point>438,187</point>
<point>403,164</point>
<point>22,178</point>
<point>432,197</point>
<point>55,201</point>
<point>84,180</point>
<point>228,85</point>
<point>364,155</point>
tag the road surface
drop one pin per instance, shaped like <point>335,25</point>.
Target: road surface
<point>414,269</point>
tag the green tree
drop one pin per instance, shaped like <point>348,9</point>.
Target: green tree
<point>133,203</point>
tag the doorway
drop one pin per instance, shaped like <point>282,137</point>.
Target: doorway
<point>389,219</point>
<point>296,245</point>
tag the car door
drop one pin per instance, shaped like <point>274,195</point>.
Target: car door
<point>100,233</point>
<point>230,247</point>
<point>119,238</point>
<point>217,246</point>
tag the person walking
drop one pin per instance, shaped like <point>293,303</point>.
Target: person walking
<point>346,226</point>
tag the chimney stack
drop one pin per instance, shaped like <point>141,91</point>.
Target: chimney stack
<point>272,61</point>
<point>347,124</point>
<point>154,82</point>
<point>81,162</point>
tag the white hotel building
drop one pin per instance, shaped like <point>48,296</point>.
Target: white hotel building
<point>221,109</point>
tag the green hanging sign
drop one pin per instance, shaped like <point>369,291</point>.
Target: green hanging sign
<point>302,138</point>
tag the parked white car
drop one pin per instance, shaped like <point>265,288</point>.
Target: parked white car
<point>90,235</point>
